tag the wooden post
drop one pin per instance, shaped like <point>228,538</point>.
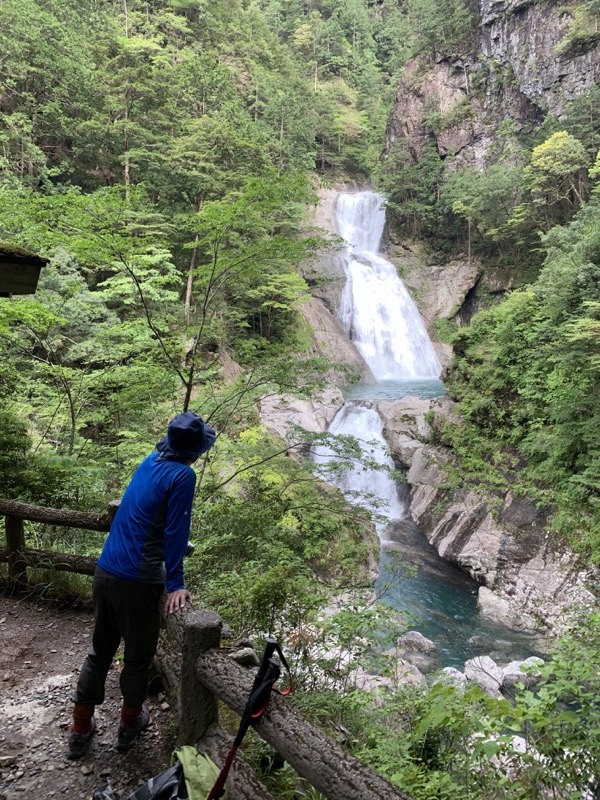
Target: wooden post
<point>201,633</point>
<point>15,544</point>
<point>186,635</point>
<point>113,507</point>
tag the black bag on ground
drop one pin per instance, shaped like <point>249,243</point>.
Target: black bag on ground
<point>167,785</point>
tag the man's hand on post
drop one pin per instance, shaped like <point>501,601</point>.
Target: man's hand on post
<point>177,600</point>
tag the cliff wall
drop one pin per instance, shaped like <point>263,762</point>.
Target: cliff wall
<point>527,63</point>
<point>529,60</point>
<point>528,580</point>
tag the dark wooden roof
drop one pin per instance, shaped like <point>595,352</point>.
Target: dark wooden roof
<point>19,270</point>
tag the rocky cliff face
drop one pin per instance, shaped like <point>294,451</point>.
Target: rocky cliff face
<point>527,64</point>
<point>529,60</point>
<point>527,581</point>
<point>534,40</point>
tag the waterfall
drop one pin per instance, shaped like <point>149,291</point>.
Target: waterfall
<point>376,310</point>
<point>382,320</point>
<point>371,487</point>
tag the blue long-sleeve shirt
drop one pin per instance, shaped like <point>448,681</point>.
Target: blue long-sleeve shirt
<point>149,534</point>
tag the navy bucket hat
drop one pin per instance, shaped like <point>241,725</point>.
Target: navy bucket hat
<point>188,437</point>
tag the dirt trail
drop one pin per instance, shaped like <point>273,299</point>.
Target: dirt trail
<point>41,651</point>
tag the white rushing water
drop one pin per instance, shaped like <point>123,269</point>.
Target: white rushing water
<point>383,322</point>
<point>376,310</point>
<point>374,488</point>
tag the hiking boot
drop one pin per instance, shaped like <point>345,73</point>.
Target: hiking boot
<point>127,737</point>
<point>78,742</point>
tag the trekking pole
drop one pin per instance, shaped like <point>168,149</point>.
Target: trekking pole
<point>258,699</point>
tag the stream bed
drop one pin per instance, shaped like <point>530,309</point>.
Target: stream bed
<point>438,598</point>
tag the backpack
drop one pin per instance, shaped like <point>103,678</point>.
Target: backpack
<point>190,778</point>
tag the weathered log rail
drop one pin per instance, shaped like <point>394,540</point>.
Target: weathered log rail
<point>197,675</point>
<point>20,558</point>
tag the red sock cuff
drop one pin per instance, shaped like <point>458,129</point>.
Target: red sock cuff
<point>82,717</point>
<point>130,714</point>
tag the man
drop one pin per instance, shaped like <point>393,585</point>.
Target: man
<point>143,551</point>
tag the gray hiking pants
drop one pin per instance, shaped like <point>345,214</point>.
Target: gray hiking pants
<point>125,610</point>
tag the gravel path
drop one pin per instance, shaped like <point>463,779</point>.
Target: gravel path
<point>41,650</point>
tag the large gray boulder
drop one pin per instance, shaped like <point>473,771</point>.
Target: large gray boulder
<point>484,671</point>
<point>415,641</point>
<point>453,676</point>
<point>525,672</point>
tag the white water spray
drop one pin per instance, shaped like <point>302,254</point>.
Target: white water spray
<point>371,487</point>
<point>376,310</point>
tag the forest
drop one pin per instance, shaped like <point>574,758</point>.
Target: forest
<point>166,155</point>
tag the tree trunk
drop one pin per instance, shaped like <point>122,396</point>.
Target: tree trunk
<point>126,161</point>
<point>469,243</point>
<point>190,280</point>
<point>15,544</point>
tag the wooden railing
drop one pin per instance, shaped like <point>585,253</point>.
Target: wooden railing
<point>19,557</point>
<point>197,674</point>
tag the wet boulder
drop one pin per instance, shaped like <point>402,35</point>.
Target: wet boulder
<point>415,641</point>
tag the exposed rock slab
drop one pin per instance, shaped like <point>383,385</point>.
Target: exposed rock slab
<point>441,289</point>
<point>468,535</point>
<point>325,272</point>
<point>493,607</point>
<point>282,415</point>
<point>405,426</point>
<point>330,341</point>
<point>527,582</point>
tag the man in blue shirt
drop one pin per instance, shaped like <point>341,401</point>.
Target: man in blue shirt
<point>143,552</point>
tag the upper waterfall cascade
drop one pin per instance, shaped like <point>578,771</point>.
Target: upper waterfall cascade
<point>376,310</point>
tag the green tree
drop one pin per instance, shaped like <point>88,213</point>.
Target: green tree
<point>46,76</point>
<point>486,201</point>
<point>526,375</point>
<point>412,186</point>
<point>441,27</point>
<point>556,174</point>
